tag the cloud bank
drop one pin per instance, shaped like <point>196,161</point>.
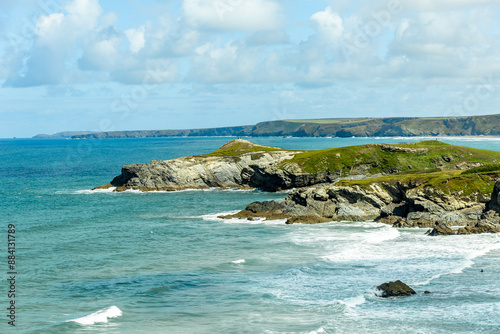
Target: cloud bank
<point>260,41</point>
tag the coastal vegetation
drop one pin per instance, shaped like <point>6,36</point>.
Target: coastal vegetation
<point>381,158</point>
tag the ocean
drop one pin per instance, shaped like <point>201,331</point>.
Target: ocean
<point>102,262</point>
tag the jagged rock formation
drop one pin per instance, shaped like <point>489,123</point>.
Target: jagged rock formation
<point>241,163</point>
<point>488,222</point>
<point>252,169</point>
<point>398,204</point>
<point>439,195</point>
<point>395,289</point>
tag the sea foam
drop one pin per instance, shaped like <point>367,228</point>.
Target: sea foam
<point>100,316</point>
<point>354,301</point>
<point>94,191</point>
<point>255,221</point>
<point>238,261</point>
<point>381,235</point>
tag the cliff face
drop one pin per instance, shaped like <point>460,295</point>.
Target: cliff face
<point>241,163</point>
<point>238,164</point>
<point>454,185</point>
<point>400,204</point>
<point>198,172</point>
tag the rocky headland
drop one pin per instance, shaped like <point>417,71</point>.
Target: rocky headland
<point>428,184</point>
<point>486,125</point>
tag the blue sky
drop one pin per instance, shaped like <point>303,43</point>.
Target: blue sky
<point>99,65</point>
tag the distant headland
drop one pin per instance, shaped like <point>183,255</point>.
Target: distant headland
<point>487,125</point>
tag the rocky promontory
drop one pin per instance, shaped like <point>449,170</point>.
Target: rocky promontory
<point>238,164</point>
<point>406,185</point>
<point>400,203</point>
<point>241,163</point>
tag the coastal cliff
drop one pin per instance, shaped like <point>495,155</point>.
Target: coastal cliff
<point>406,185</point>
<point>243,164</point>
<point>486,125</point>
<point>406,203</point>
<point>236,164</point>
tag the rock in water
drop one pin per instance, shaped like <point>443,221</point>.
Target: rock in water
<point>441,229</point>
<point>395,289</point>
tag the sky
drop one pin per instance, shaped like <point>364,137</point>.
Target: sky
<point>108,65</point>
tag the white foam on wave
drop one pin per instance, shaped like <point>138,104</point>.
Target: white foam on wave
<point>100,316</point>
<point>421,258</point>
<point>372,233</point>
<point>353,301</point>
<point>214,189</point>
<point>254,221</point>
<point>94,191</point>
<point>466,263</point>
<point>317,331</point>
<point>215,216</point>
<point>238,261</point>
<point>137,191</point>
<point>381,235</point>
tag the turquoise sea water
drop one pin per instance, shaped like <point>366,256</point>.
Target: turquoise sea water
<point>100,262</point>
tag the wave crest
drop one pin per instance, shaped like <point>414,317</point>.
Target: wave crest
<point>100,316</point>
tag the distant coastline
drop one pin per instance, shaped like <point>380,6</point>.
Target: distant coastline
<point>487,125</point>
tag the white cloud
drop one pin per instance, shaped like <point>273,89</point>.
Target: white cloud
<point>232,41</point>
<point>100,51</point>
<point>232,62</point>
<point>136,39</point>
<point>56,34</point>
<point>233,15</point>
<point>48,25</point>
<point>328,23</point>
<point>445,44</point>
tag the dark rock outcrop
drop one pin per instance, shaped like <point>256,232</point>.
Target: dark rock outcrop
<point>487,222</point>
<point>442,228</point>
<point>395,289</point>
<point>398,204</point>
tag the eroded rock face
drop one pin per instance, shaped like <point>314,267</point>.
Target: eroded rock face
<point>395,289</point>
<point>488,223</point>
<point>396,204</point>
<point>494,203</point>
<point>254,169</point>
<point>207,172</point>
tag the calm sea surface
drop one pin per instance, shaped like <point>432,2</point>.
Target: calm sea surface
<point>100,262</point>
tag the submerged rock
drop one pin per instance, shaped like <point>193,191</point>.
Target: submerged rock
<point>395,289</point>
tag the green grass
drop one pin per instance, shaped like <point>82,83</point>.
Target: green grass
<point>425,156</point>
<point>449,182</point>
<point>424,164</point>
<point>239,147</point>
<point>482,169</point>
<point>330,120</point>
